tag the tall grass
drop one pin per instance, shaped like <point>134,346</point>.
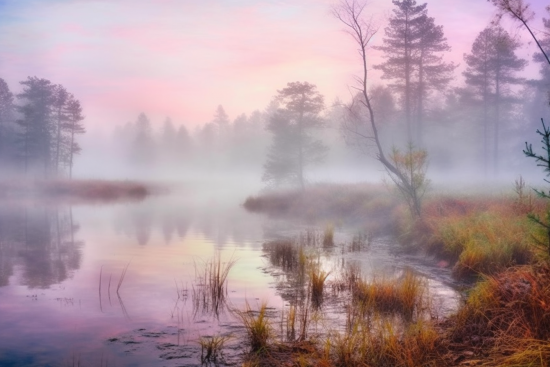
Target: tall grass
<point>405,295</point>
<point>258,327</point>
<point>317,278</point>
<point>380,343</point>
<point>482,235</point>
<point>210,289</point>
<point>211,347</point>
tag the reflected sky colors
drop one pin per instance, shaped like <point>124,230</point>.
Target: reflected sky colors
<point>183,58</point>
<point>61,268</point>
<point>52,320</point>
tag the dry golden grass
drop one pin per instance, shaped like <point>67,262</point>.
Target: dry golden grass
<point>258,327</point>
<point>507,316</point>
<point>483,235</point>
<point>404,295</point>
<point>317,278</point>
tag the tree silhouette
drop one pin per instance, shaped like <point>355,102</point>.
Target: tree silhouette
<point>293,147</point>
<point>35,122</point>
<point>491,68</point>
<point>412,47</point>
<point>6,117</point>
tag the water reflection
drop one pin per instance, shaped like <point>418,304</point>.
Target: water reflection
<point>41,241</point>
<point>217,221</point>
<point>165,302</point>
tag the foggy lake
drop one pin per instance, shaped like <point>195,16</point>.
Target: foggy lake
<point>65,299</point>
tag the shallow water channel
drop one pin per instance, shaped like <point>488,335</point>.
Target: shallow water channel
<point>113,284</point>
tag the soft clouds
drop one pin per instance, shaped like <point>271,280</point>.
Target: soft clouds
<point>182,58</point>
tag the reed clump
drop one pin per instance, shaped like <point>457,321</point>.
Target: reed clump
<point>258,327</point>
<point>211,347</point>
<point>382,344</point>
<point>404,295</point>
<point>210,288</point>
<point>317,278</point>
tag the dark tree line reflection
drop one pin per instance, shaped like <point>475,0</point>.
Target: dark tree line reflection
<point>40,241</point>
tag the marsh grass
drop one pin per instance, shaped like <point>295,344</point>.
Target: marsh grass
<point>317,278</point>
<point>482,235</point>
<point>379,341</point>
<point>258,327</point>
<point>405,295</point>
<point>508,317</point>
<point>210,289</point>
<point>212,347</point>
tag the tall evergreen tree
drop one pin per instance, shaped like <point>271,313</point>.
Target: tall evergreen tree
<point>221,121</point>
<point>59,118</point>
<point>6,117</point>
<point>433,73</point>
<point>412,48</point>
<point>143,143</point>
<point>491,68</point>
<point>400,45</point>
<point>36,122</point>
<point>293,146</point>
<point>72,127</point>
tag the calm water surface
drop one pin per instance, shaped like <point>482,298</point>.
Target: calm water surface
<point>61,265</point>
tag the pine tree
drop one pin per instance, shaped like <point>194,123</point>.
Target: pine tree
<point>412,48</point>
<point>433,72</point>
<point>36,122</point>
<point>60,99</point>
<point>293,147</point>
<point>143,143</point>
<point>491,69</point>
<point>71,127</point>
<point>6,116</point>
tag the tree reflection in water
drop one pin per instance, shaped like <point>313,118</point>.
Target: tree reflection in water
<point>39,240</point>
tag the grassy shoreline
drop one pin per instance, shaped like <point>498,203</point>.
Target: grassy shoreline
<point>488,239</point>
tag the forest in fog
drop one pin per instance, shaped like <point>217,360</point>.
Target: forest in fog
<point>473,120</point>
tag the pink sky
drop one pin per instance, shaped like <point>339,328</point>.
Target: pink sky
<point>182,58</point>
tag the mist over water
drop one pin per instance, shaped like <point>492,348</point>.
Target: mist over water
<point>53,310</point>
<point>120,197</point>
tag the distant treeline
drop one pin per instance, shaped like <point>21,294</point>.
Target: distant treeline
<point>38,129</point>
<point>475,123</point>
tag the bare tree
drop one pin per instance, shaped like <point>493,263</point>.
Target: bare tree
<point>519,10</point>
<point>362,29</point>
